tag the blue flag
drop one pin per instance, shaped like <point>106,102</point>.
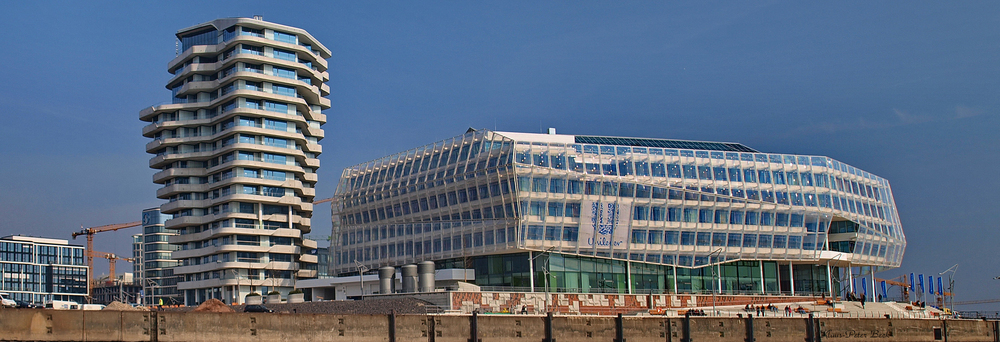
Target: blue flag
<point>912,288</point>
<point>920,278</point>
<point>884,293</point>
<point>940,288</point>
<point>864,289</point>
<point>930,284</point>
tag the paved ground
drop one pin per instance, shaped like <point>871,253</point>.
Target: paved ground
<point>849,309</point>
<point>371,307</point>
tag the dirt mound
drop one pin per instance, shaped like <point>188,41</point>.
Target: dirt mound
<point>119,306</point>
<point>213,305</point>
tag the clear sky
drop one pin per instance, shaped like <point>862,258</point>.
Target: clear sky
<point>909,91</point>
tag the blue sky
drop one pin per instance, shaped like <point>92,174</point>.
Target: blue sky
<point>909,91</point>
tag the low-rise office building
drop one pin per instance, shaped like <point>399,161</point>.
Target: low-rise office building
<point>576,213</point>
<point>34,269</point>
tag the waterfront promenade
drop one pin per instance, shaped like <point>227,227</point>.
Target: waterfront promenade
<point>66,325</point>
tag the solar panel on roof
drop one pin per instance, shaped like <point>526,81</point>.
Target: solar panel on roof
<point>644,142</point>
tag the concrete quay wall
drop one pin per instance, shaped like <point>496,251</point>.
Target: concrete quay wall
<point>58,325</point>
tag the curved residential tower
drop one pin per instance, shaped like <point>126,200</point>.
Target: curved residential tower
<point>236,152</point>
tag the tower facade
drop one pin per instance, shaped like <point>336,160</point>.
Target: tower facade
<point>158,280</point>
<point>236,152</point>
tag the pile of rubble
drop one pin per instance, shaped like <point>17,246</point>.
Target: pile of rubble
<point>119,306</point>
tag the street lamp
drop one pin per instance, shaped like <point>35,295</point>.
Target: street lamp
<point>239,285</point>
<point>717,252</point>
<point>361,274</point>
<point>951,283</point>
<point>545,270</point>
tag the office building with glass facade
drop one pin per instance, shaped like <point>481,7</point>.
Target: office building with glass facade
<point>626,215</point>
<point>37,270</point>
<point>236,153</point>
<point>158,281</point>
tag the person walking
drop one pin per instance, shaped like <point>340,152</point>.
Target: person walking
<point>862,301</point>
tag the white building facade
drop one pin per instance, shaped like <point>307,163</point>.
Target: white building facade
<point>237,153</point>
<point>614,214</point>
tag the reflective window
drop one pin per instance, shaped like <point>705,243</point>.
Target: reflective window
<point>704,239</point>
<point>734,174</point>
<point>659,170</point>
<point>674,171</point>
<point>779,177</point>
<point>705,172</point>
<point>690,172</point>
<point>687,238</point>
<point>671,237</point>
<point>764,177</point>
<point>720,173</point>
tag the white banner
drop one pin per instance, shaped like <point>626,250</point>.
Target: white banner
<point>604,224</point>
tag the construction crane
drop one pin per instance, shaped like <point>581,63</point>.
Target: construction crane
<point>328,199</point>
<point>981,301</point>
<point>326,238</point>
<point>112,260</point>
<point>89,232</point>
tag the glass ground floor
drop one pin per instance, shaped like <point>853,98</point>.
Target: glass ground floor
<point>567,273</point>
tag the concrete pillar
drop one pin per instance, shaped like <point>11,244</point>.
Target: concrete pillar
<point>674,269</point>
<point>531,270</point>
<point>850,277</point>
<point>829,280</point>
<point>791,278</point>
<point>762,282</point>
<point>718,278</point>
<point>628,276</point>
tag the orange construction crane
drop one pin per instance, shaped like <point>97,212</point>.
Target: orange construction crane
<point>112,260</point>
<point>328,199</point>
<point>89,232</point>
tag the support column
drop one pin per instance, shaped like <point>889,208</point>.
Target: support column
<point>674,269</point>
<point>791,278</point>
<point>850,277</point>
<point>760,263</point>
<point>829,280</point>
<point>874,296</point>
<point>628,275</point>
<point>718,278</point>
<point>531,271</point>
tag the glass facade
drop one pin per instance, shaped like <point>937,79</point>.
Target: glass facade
<point>644,203</point>
<point>158,280</point>
<point>37,270</point>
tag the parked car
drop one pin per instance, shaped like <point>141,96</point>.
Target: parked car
<point>62,305</point>
<point>25,305</point>
<point>5,300</point>
<point>256,308</point>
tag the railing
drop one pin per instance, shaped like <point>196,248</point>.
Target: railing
<point>978,314</point>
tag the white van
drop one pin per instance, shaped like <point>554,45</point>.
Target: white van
<point>62,305</point>
<point>92,307</point>
<point>5,300</point>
